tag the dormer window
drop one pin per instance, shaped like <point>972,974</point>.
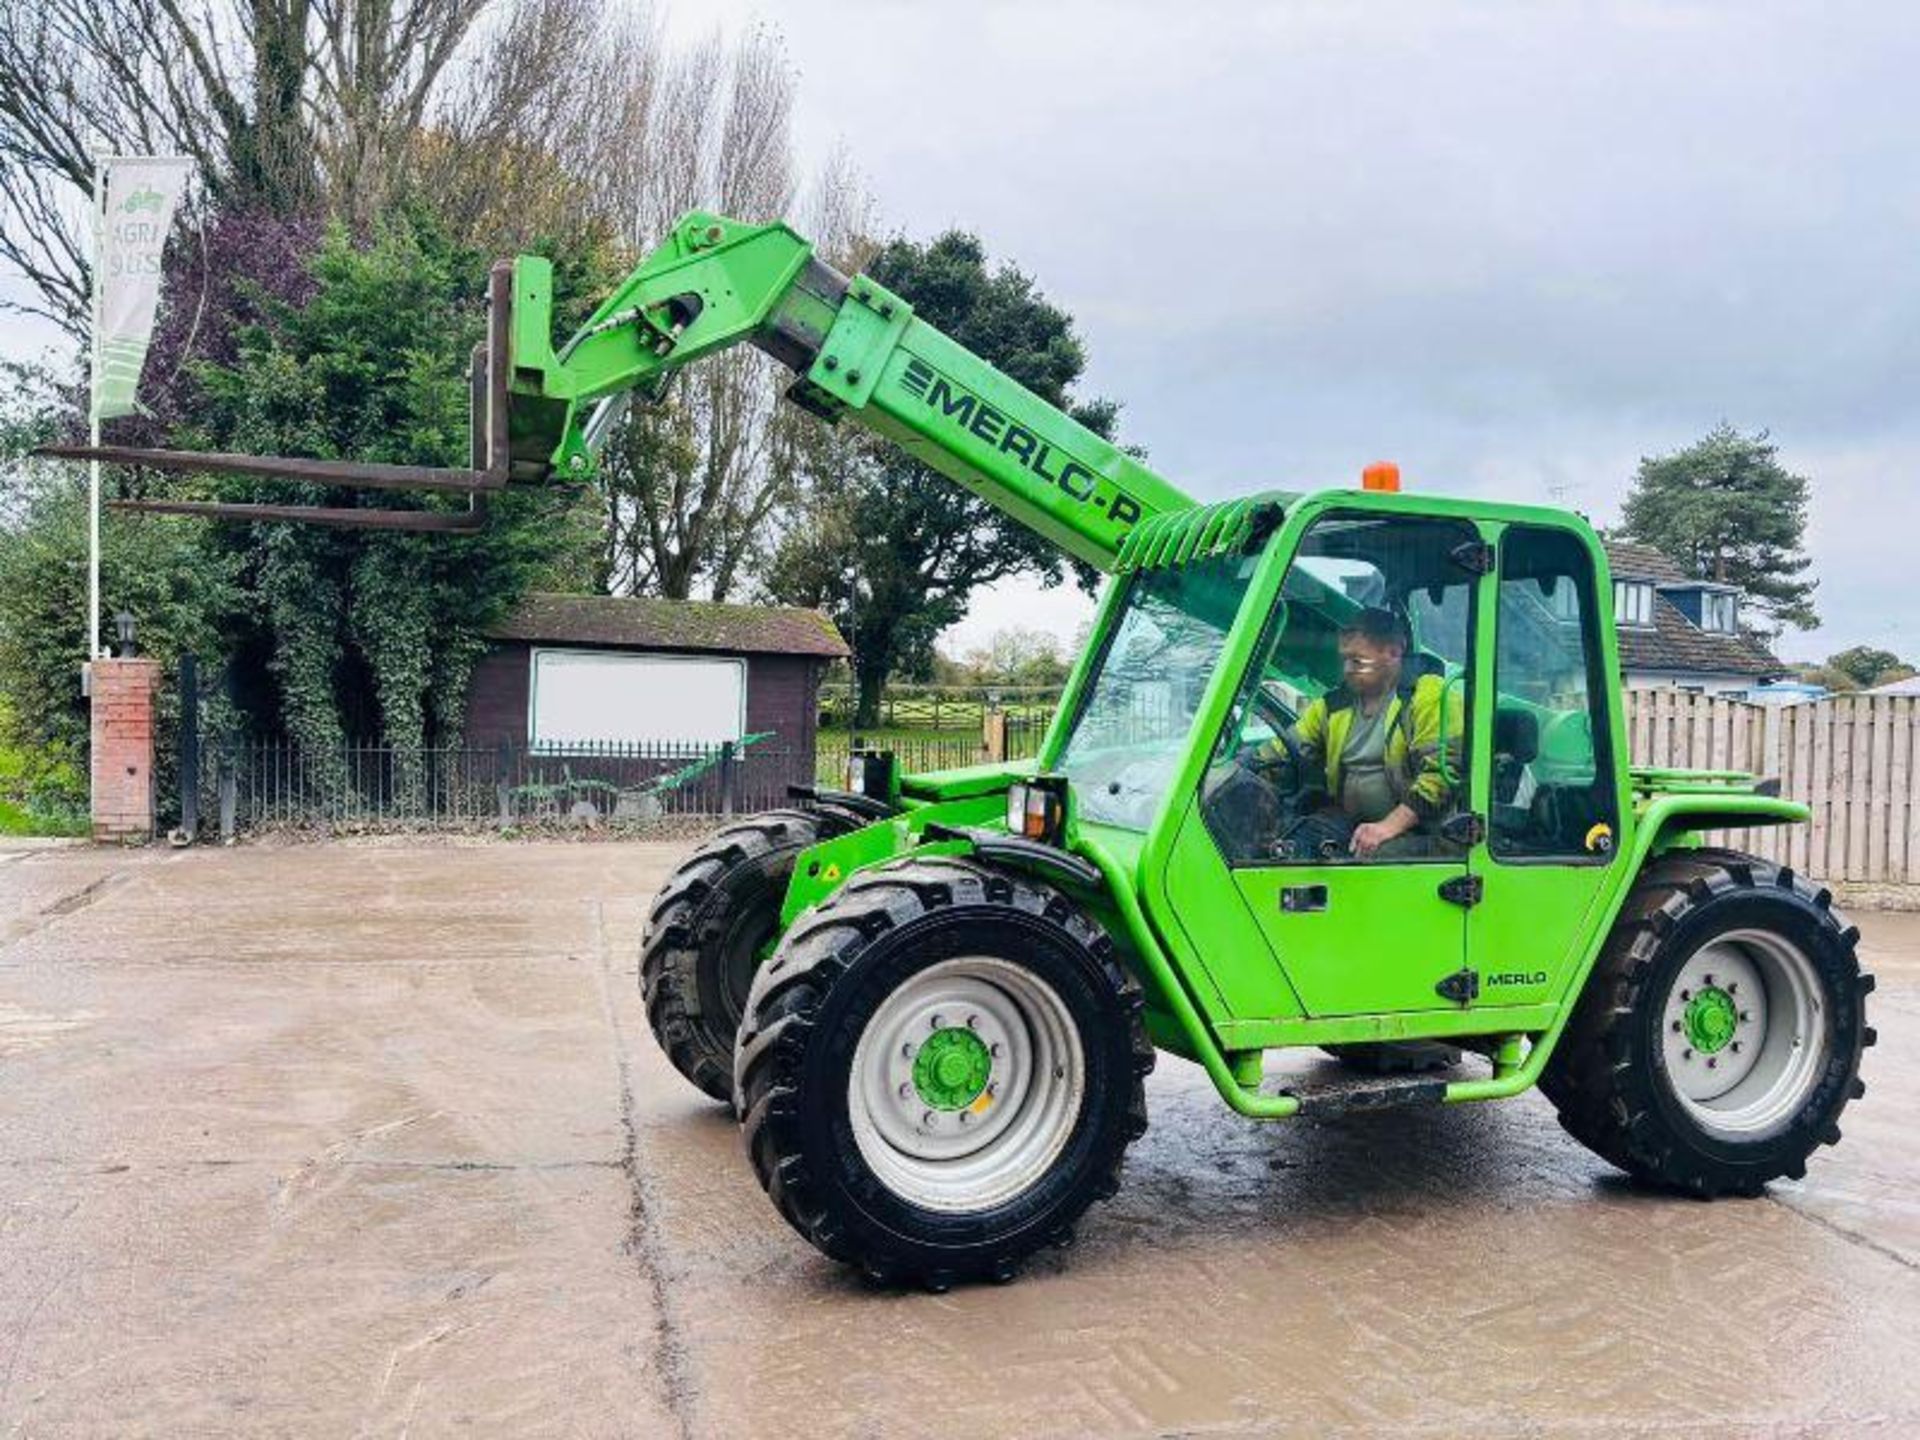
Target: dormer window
<point>1719,612</point>
<point>1633,602</point>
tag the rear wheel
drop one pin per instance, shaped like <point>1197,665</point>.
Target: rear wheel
<point>712,923</point>
<point>1720,1035</point>
<point>941,1069</point>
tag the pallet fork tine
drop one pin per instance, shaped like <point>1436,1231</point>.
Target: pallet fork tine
<point>488,473</point>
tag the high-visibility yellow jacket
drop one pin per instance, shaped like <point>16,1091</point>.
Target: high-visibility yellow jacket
<point>1414,738</point>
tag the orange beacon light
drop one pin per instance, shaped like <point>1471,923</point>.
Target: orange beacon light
<point>1381,475</point>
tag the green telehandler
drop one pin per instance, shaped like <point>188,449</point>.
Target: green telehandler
<point>1342,771</point>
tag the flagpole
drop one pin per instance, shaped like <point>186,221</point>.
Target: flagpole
<point>93,417</point>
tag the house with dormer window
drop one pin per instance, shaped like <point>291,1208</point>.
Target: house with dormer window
<point>1679,632</point>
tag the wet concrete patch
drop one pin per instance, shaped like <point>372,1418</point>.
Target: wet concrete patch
<point>210,1299</point>
<point>329,1139</point>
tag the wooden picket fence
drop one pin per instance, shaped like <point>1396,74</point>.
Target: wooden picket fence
<point>1854,759</point>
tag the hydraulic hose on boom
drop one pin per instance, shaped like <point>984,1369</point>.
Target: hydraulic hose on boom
<point>858,350</point>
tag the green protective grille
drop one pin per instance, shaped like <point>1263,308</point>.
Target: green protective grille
<point>1181,537</point>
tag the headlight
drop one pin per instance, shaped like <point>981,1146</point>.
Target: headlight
<point>1037,810</point>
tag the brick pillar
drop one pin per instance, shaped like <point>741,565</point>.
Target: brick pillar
<point>123,696</point>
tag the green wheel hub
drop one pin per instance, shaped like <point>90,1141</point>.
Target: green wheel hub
<point>951,1069</point>
<point>1711,1018</point>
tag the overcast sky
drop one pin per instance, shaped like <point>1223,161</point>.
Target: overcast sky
<point>1514,247</point>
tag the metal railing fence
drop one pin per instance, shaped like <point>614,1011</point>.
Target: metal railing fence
<point>257,784</point>
<point>268,783</point>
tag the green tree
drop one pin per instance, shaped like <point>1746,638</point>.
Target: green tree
<point>159,572</point>
<point>1838,681</point>
<point>1729,511</point>
<point>1016,655</point>
<point>1867,666</point>
<point>374,633</point>
<point>890,548</point>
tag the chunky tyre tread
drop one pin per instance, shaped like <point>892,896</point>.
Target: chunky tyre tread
<point>788,990</point>
<point>684,919</point>
<point>1593,1078</point>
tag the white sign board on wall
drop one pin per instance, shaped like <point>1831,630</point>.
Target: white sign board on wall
<point>602,697</point>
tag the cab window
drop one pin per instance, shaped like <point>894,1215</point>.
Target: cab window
<point>1552,781</point>
<point>1347,740</point>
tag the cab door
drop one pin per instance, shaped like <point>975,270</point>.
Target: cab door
<point>1554,800</point>
<point>1356,933</point>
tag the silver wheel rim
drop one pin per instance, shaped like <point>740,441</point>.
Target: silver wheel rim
<point>1744,1073</point>
<point>1002,1141</point>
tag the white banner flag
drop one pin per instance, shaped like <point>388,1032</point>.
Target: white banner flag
<point>138,196</point>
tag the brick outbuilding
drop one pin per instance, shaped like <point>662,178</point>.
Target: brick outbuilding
<point>625,670</point>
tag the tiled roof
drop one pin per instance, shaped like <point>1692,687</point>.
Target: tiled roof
<point>1630,560</point>
<point>650,623</point>
<point>1673,642</point>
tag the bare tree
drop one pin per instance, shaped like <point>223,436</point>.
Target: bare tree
<point>287,105</point>
<point>493,153</point>
<point>698,485</point>
<point>516,119</point>
<point>689,483</point>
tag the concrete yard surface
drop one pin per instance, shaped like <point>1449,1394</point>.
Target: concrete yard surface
<point>372,1139</point>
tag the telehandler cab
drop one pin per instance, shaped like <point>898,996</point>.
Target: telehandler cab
<point>932,999</point>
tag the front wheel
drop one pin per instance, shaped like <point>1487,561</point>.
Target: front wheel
<point>1720,1034</point>
<point>941,1069</point>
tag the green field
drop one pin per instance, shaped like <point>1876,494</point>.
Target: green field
<point>918,711</point>
<point>920,749</point>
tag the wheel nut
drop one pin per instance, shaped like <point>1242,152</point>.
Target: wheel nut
<point>965,1116</point>
<point>1709,979</point>
<point>1686,1054</point>
<point>906,1051</point>
<point>973,1022</point>
<point>994,1049</point>
<point>1735,1047</point>
<point>1713,1062</point>
<point>1746,1017</point>
<point>1676,1027</point>
<point>938,1022</point>
<point>906,1091</point>
<point>1686,994</point>
<point>927,1119</point>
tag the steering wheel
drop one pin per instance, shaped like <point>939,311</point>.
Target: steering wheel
<point>1255,803</point>
<point>1292,767</point>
